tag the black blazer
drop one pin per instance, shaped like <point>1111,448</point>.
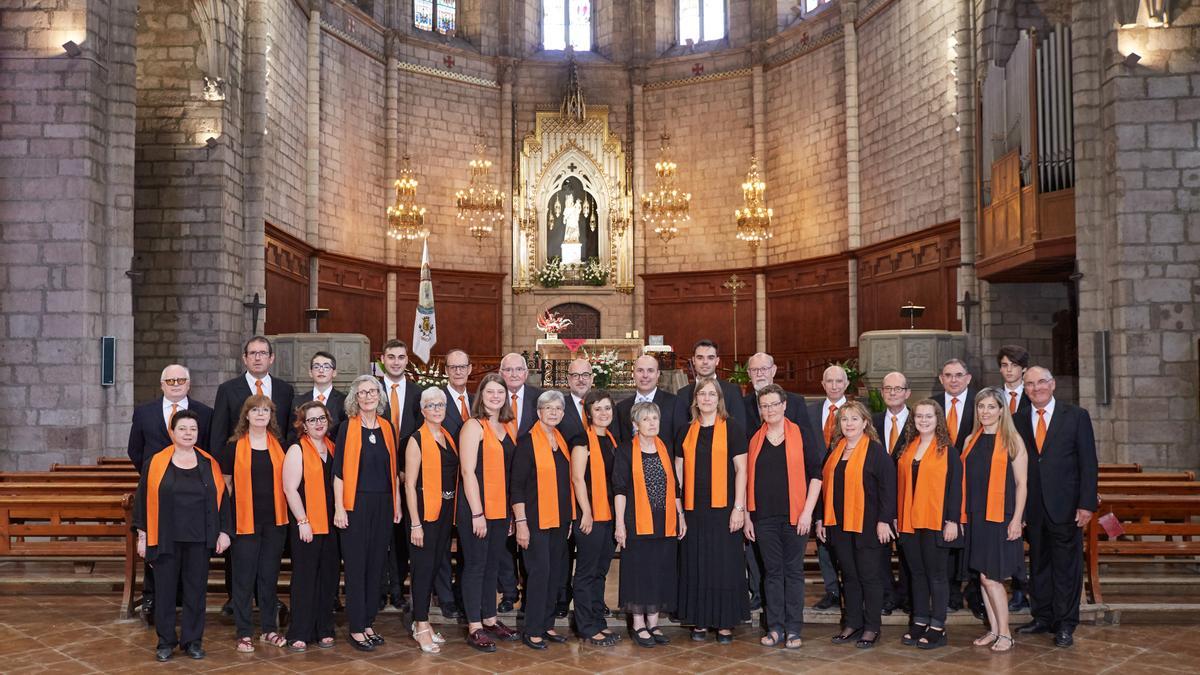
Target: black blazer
<point>879,495</point>
<point>906,433</point>
<point>215,521</point>
<point>734,405</point>
<point>230,396</point>
<point>411,418</point>
<point>623,425</point>
<point>454,420</point>
<point>335,404</point>
<point>966,416</point>
<point>1067,461</point>
<point>528,408</point>
<point>571,426</point>
<point>148,432</point>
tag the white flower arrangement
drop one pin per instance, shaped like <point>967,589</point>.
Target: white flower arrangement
<point>551,275</point>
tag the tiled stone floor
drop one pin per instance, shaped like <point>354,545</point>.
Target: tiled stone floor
<point>79,634</point>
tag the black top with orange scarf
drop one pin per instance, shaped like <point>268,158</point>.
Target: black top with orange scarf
<point>217,518</point>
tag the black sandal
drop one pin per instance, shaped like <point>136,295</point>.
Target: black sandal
<point>725,638</point>
<point>699,635</point>
<point>606,641</point>
<point>648,641</point>
<point>932,639</point>
<point>864,643</point>
<point>793,641</point>
<point>658,636</point>
<point>844,637</point>
<point>914,634</point>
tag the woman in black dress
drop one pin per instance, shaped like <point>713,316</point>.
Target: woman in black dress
<point>308,485</point>
<point>181,515</point>
<point>783,485</point>
<point>255,477</point>
<point>486,445</point>
<point>648,520</point>
<point>366,500</point>
<point>430,487</point>
<point>928,508</point>
<point>994,489</point>
<point>858,491</point>
<point>711,463</point>
<point>591,476</point>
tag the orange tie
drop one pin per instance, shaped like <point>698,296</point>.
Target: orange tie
<point>1040,436</point>
<point>582,417</point>
<point>394,401</point>
<point>516,413</point>
<point>258,387</point>
<point>829,424</point>
<point>894,436</point>
<point>462,407</point>
<point>952,420</point>
<point>170,431</point>
<point>321,398</point>
<point>1012,402</point>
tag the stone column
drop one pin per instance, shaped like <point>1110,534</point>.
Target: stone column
<point>391,115</point>
<point>853,186</point>
<point>507,167</point>
<point>637,155</point>
<point>312,166</point>
<point>254,130</point>
<point>760,151</point>
<point>392,322</point>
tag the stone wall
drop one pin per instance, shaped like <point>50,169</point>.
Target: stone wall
<point>286,143</point>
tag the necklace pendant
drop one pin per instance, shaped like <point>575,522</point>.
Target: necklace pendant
<point>371,437</point>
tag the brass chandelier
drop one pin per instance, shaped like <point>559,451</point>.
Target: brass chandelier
<point>754,218</point>
<point>406,220</point>
<point>666,208</point>
<point>480,205</point>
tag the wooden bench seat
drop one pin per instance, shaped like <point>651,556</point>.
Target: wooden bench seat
<point>66,476</point>
<point>1120,468</point>
<point>115,460</point>
<point>98,468</point>
<point>68,487</point>
<point>1150,487</point>
<point>1149,476</point>
<point>1156,525</point>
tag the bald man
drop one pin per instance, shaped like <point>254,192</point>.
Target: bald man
<point>823,414</point>
<point>645,382</point>
<point>522,396</point>
<point>579,383</point>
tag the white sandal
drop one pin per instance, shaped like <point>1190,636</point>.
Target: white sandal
<point>437,637</point>
<point>432,647</point>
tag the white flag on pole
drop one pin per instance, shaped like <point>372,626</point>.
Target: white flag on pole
<point>425,326</point>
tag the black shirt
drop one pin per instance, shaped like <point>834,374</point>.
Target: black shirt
<point>187,503</point>
<point>524,485</point>
<point>262,488</point>
<point>771,481</point>
<point>839,488</point>
<point>735,440</point>
<point>979,473</point>
<point>327,476</point>
<point>374,464</point>
<point>449,477</point>
<point>606,454</point>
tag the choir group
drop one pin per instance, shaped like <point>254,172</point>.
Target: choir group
<point>709,496</point>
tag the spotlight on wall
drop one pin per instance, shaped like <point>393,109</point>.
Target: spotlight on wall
<point>1132,59</point>
<point>211,141</point>
<point>71,48</point>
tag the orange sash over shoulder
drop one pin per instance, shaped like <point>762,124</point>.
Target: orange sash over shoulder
<point>797,481</point>
<point>154,476</point>
<point>547,479</point>
<point>643,518</point>
<point>315,500</point>
<point>601,508</point>
<point>495,482</point>
<point>921,508</point>
<point>431,472</point>
<point>853,493</point>
<point>353,454</point>
<point>996,479</point>
<point>720,468</point>
<point>243,492</point>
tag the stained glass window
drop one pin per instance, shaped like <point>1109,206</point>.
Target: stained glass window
<point>423,14</point>
<point>701,20</point>
<point>567,22</point>
<point>445,16</point>
<point>434,15</point>
<point>810,5</point>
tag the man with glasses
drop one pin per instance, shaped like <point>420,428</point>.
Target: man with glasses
<point>894,433</point>
<point>458,399</point>
<point>704,364</point>
<point>958,405</point>
<point>149,433</point>
<point>523,399</point>
<point>401,406</point>
<point>823,414</point>
<point>579,383</point>
<point>322,368</point>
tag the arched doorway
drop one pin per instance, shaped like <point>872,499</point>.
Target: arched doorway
<point>585,320</point>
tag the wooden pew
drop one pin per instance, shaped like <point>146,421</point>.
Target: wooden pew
<point>1159,525</point>
<point>1150,487</point>
<point>115,460</point>
<point>1120,468</point>
<point>67,488</point>
<point>1157,476</point>
<point>67,476</point>
<point>98,468</point>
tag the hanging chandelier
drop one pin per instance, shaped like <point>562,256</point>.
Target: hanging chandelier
<point>406,220</point>
<point>666,208</point>
<point>754,218</point>
<point>480,205</point>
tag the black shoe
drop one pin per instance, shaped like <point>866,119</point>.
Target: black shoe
<point>1019,601</point>
<point>1034,627</point>
<point>755,603</point>
<point>915,633</point>
<point>531,644</point>
<point>829,601</point>
<point>195,651</point>
<point>1064,638</point>
<point>699,635</point>
<point>450,611</point>
<point>886,611</point>
<point>400,603</point>
<point>843,637</point>
<point>979,612</point>
<point>163,653</point>
<point>934,638</point>
<point>889,607</point>
<point>375,638</point>
<point>659,637</point>
<point>555,637</point>
<point>905,607</point>
<point>647,641</point>
<point>227,608</point>
<point>364,645</point>
<point>560,612</point>
<point>724,638</point>
<point>607,612</point>
<point>955,604</point>
<point>505,606</point>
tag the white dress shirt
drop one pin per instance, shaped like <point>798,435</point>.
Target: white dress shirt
<point>182,404</point>
<point>825,408</point>
<point>1048,413</point>
<point>901,418</point>
<point>318,392</point>
<point>266,384</point>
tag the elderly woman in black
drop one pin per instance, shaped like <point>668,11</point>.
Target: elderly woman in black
<point>366,502</point>
<point>859,494</point>
<point>255,477</point>
<point>430,488</point>
<point>782,489</point>
<point>308,486</point>
<point>591,475</point>
<point>543,508</point>
<point>181,516</point>
<point>648,521</point>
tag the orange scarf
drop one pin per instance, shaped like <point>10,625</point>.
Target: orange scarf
<point>243,491</point>
<point>314,485</point>
<point>643,518</point>
<point>853,494</point>
<point>431,472</point>
<point>547,479</point>
<point>797,481</point>
<point>720,470</point>
<point>154,476</point>
<point>495,483</point>
<point>353,452</point>
<point>601,509</point>
<point>996,479</point>
<point>921,508</point>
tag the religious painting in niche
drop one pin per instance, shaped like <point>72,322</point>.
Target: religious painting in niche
<point>572,224</point>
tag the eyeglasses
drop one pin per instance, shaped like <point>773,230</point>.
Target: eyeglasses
<point>551,408</point>
<point>175,381</point>
<point>1039,383</point>
<point>760,371</point>
<point>367,393</point>
<point>894,390</point>
<point>580,376</point>
<point>434,406</point>
<point>458,367</point>
<point>770,406</point>
<point>316,420</point>
<point>321,366</point>
<point>258,354</point>
<point>514,369</point>
<point>954,376</point>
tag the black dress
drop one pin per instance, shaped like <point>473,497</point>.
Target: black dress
<point>648,561</point>
<point>988,550</point>
<point>713,591</point>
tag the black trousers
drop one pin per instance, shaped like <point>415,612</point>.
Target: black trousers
<point>427,559</point>
<point>315,569</point>
<point>928,563</point>
<point>829,574</point>
<point>187,564</point>
<point>862,578</point>
<point>593,556</point>
<point>364,552</point>
<point>506,573</point>
<point>544,565</point>
<point>398,567</point>
<point>782,553</point>
<point>147,582</point>
<point>256,560</point>
<point>563,597</point>
<point>445,584</point>
<point>754,572</point>
<point>481,561</point>
<point>1056,564</point>
<point>895,583</point>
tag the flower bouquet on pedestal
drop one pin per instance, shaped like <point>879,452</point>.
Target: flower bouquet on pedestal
<point>552,324</point>
<point>603,365</point>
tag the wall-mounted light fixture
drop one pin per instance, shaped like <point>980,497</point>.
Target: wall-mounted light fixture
<point>72,48</point>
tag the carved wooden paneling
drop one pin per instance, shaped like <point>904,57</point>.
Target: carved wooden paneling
<point>687,306</point>
<point>468,306</point>
<point>355,293</point>
<point>921,267</point>
<point>287,283</point>
<point>807,323</point>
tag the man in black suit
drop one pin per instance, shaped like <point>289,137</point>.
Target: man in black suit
<point>322,367</point>
<point>958,404</point>
<point>645,381</point>
<point>823,418</point>
<point>523,399</point>
<point>579,383</point>
<point>148,435</point>
<point>891,425</point>
<point>1013,361</point>
<point>402,400</point>
<point>1063,471</point>
<point>704,364</point>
